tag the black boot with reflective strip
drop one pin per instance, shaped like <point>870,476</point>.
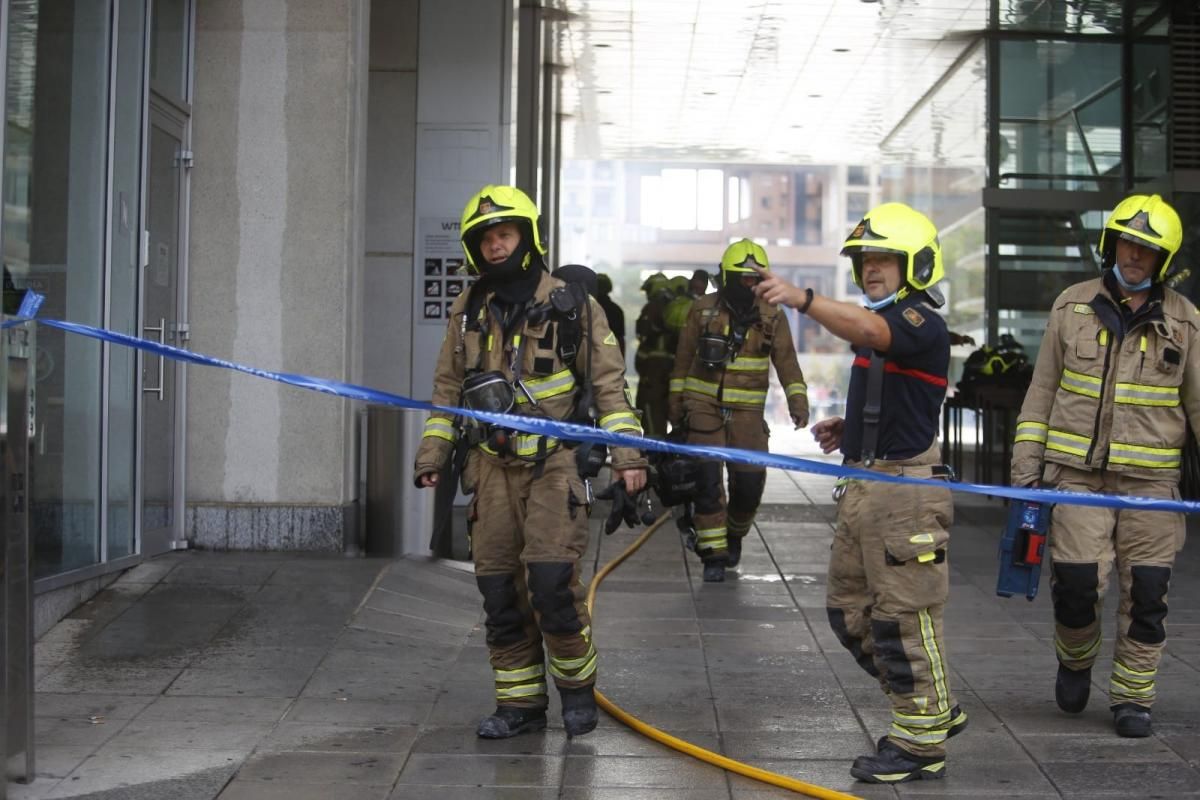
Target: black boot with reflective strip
<point>892,764</point>
<point>509,721</point>
<point>579,711</point>
<point>714,571</point>
<point>957,723</point>
<point>1071,689</point>
<point>1132,721</point>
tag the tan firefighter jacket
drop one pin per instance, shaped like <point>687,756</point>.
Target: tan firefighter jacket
<point>1097,402</point>
<point>481,346</point>
<point>742,382</point>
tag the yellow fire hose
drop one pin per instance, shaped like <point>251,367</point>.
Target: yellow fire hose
<point>687,748</point>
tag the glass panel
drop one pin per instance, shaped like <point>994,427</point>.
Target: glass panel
<point>1060,115</point>
<point>168,51</point>
<point>158,376</point>
<point>123,281</point>
<point>54,209</point>
<point>1062,16</point>
<point>1151,90</point>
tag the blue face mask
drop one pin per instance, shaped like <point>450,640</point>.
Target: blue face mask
<point>1130,287</point>
<point>875,305</point>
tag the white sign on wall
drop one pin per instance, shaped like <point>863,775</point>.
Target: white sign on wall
<point>441,270</point>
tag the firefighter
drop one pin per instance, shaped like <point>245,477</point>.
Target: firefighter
<point>676,312</point>
<point>514,343</point>
<point>888,574</point>
<point>653,360</point>
<point>612,311</point>
<point>1117,381</point>
<point>718,393</point>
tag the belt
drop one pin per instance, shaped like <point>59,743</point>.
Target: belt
<point>943,472</point>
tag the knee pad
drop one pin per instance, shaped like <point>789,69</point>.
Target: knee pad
<point>708,487</point>
<point>1075,593</point>
<point>551,596</point>
<point>1149,606</point>
<point>889,650</point>
<point>504,623</point>
<point>837,621</point>
<point>746,490</point>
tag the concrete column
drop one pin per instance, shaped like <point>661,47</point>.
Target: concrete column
<point>276,268</point>
<point>463,131</point>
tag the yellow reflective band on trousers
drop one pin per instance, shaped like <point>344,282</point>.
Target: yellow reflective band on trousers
<point>1079,383</point>
<point>677,385</point>
<point>1070,443</point>
<point>1136,394</point>
<point>711,539</point>
<point>575,669</point>
<point>621,421</point>
<point>793,389</point>
<point>749,364</point>
<point>512,684</point>
<point>1131,684</point>
<point>560,382</point>
<point>1080,653</point>
<point>1150,457</point>
<point>1032,432</point>
<point>440,428</point>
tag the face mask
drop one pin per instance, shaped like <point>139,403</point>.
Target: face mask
<point>875,305</point>
<point>1129,287</point>
<point>739,297</point>
<point>512,279</point>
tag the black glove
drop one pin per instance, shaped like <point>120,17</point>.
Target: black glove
<point>624,507</point>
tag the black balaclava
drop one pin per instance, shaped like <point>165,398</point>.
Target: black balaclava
<point>513,281</point>
<point>738,297</point>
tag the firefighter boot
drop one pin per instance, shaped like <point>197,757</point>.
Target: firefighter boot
<point>957,723</point>
<point>579,710</point>
<point>895,765</point>
<point>1071,689</point>
<point>735,550</point>
<point>508,721</point>
<point>1132,720</point>
<point>714,570</point>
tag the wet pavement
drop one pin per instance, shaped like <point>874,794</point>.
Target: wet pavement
<point>238,675</point>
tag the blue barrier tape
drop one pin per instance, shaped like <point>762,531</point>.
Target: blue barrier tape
<point>576,432</point>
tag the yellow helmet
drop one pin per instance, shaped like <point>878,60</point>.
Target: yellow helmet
<point>493,205</point>
<point>739,257</point>
<point>898,229</point>
<point>654,283</point>
<point>678,285</point>
<point>1147,220</point>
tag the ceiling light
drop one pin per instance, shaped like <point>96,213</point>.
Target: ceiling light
<point>815,96</point>
<point>841,49</point>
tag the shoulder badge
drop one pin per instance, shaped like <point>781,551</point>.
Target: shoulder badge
<point>914,317</point>
<point>1083,308</point>
<point>611,339</point>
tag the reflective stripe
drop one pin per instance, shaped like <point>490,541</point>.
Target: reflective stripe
<point>1126,682</point>
<point>1032,432</point>
<point>922,736</point>
<point>440,428</point>
<point>710,534</point>
<point>560,382</point>
<point>574,669</point>
<point>1143,342</point>
<point>621,421</point>
<point>929,641</point>
<point>1136,394</point>
<point>749,364</point>
<point>518,675</point>
<point>1138,456</point>
<point>793,389</point>
<point>1080,653</point>
<point>924,721</point>
<point>698,386</point>
<point>1102,337</point>
<point>1079,383</point>
<point>1083,308</point>
<point>676,384</point>
<point>745,396</point>
<point>524,445</point>
<point>1070,443</point>
<point>522,690</point>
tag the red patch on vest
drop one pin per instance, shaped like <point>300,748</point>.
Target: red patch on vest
<point>914,317</point>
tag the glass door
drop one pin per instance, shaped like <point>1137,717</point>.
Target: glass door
<point>162,298</point>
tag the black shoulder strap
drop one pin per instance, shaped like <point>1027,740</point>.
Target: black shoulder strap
<point>872,408</point>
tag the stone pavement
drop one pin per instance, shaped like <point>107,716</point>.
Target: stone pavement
<point>233,675</point>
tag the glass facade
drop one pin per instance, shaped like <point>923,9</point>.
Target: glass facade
<point>76,99</point>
